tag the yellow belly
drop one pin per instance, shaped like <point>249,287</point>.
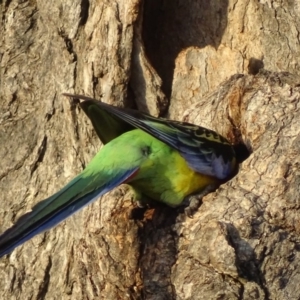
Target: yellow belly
<point>186,181</point>
<point>170,180</point>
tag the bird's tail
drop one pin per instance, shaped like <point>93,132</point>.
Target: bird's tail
<point>82,190</point>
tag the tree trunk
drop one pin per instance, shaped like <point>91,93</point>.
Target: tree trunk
<point>232,66</point>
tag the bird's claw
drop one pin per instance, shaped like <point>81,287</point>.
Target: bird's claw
<point>193,202</point>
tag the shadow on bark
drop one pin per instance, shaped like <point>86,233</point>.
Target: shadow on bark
<point>171,26</point>
<point>249,266</point>
<point>158,252</point>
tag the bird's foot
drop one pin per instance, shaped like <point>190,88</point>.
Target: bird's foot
<point>193,202</point>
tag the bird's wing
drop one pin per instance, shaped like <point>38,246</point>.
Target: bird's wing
<point>205,151</point>
<point>107,126</point>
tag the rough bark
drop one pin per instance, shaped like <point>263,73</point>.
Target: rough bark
<point>244,241</point>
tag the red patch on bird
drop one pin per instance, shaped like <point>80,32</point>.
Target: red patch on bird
<point>131,176</point>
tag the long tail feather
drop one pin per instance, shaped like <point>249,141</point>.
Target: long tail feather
<point>78,193</point>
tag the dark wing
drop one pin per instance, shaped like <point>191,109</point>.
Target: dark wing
<point>107,125</point>
<point>205,151</point>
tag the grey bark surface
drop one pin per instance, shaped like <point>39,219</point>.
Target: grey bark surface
<point>197,61</point>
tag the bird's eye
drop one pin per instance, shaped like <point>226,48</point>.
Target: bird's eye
<point>146,150</point>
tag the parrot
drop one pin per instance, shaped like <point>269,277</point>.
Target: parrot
<point>166,161</point>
